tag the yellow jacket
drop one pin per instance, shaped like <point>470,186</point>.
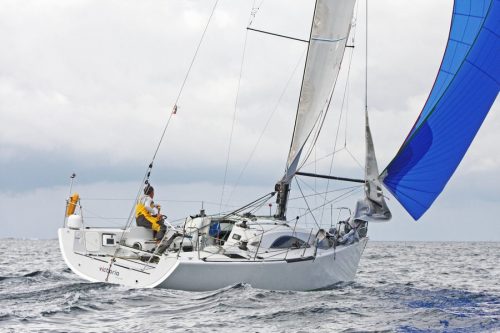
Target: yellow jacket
<point>141,209</point>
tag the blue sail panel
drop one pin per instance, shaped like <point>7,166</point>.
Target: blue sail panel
<point>468,17</point>
<point>454,112</point>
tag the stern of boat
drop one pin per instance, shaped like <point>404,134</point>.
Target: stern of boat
<point>95,254</point>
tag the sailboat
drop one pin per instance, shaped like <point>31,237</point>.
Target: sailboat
<point>209,252</point>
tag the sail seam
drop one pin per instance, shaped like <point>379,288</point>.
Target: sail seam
<point>492,32</point>
<point>482,71</point>
<point>328,40</point>
<point>460,41</point>
<point>469,15</point>
<point>447,72</point>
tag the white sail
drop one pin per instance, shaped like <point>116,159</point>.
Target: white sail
<point>373,206</point>
<point>330,30</point>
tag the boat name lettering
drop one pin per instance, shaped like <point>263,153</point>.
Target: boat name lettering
<point>110,271</point>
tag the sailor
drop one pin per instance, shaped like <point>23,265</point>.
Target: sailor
<point>148,215</point>
<point>349,238</point>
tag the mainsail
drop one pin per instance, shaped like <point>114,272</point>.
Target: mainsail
<point>329,33</point>
<point>465,89</point>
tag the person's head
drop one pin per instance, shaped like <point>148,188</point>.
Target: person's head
<point>149,190</point>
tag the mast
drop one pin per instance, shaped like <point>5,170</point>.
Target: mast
<point>330,27</point>
<point>282,187</point>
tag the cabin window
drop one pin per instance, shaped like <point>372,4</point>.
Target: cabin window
<point>287,242</point>
<point>220,230</point>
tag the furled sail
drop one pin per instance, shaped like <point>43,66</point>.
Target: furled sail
<point>330,30</point>
<point>373,206</point>
<point>465,89</point>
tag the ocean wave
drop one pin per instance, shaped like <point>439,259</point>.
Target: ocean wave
<point>404,293</point>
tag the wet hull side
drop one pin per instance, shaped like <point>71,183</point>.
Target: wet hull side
<point>325,270</point>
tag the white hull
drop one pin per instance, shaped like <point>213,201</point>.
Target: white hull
<point>299,271</point>
<point>323,271</point>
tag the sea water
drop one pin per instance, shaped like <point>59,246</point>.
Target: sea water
<point>400,287</point>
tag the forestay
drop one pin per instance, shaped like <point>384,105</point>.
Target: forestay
<point>464,91</point>
<point>330,30</point>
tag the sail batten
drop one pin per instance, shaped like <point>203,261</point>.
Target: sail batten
<point>328,40</point>
<point>465,89</point>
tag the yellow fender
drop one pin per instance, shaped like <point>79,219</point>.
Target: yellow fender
<point>71,205</point>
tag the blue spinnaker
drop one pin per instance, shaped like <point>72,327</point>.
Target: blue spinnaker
<point>464,91</point>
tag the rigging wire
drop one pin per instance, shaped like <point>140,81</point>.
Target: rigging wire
<point>309,186</point>
<point>159,200</point>
<point>319,125</point>
<point>323,157</point>
<point>355,159</point>
<point>344,98</point>
<point>316,134</point>
<point>265,127</point>
<point>336,152</point>
<point>99,217</point>
<point>262,200</point>
<point>174,108</point>
<point>336,199</point>
<point>321,119</point>
<point>307,204</point>
<point>252,17</point>
<point>321,193</point>
<point>259,206</point>
<point>174,111</point>
<point>254,11</point>
<point>195,53</point>
<point>366,56</point>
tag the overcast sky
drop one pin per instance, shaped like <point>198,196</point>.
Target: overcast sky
<point>87,86</point>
